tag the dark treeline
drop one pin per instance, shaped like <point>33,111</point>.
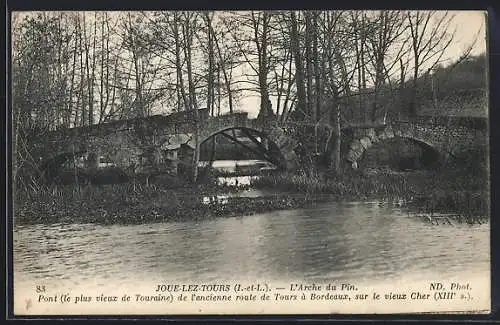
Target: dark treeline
<point>458,90</point>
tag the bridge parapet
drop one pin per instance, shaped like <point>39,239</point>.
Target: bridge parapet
<point>236,119</point>
<point>470,122</point>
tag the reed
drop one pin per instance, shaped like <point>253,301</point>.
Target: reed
<point>129,203</point>
<point>451,191</point>
<point>319,183</point>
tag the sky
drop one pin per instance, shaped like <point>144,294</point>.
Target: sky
<point>468,24</point>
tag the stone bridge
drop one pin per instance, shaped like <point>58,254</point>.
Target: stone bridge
<point>449,138</point>
<point>159,143</point>
<point>165,143</point>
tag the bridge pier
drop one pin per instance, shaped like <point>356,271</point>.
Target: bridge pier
<point>92,160</point>
<point>171,160</point>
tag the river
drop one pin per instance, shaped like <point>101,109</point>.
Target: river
<point>357,241</point>
<point>361,242</point>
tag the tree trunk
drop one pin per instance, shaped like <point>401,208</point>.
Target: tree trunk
<point>265,102</point>
<point>178,65</point>
<point>338,139</point>
<point>299,69</point>
<point>210,77</point>
<point>309,67</point>
<point>227,80</point>
<point>188,37</point>
<point>413,99</point>
<point>317,71</point>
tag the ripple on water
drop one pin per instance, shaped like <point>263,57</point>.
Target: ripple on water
<point>351,240</point>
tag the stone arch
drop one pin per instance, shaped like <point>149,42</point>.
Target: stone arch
<point>283,144</point>
<point>59,159</point>
<point>90,167</point>
<point>50,167</point>
<point>360,144</point>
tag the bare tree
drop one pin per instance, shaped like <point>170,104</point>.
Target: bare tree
<point>299,69</point>
<point>430,37</point>
<point>143,68</point>
<point>254,38</point>
<point>389,27</point>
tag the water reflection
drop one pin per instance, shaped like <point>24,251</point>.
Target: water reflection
<point>356,241</point>
<point>224,198</point>
<point>216,199</point>
<point>235,180</point>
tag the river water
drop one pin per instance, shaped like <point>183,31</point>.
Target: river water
<point>357,241</point>
<point>362,242</point>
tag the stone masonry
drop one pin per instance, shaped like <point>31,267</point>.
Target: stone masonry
<point>445,139</point>
<point>146,144</point>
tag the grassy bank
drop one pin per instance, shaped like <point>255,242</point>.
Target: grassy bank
<point>124,204</point>
<point>425,192</point>
<point>445,191</point>
<point>386,186</point>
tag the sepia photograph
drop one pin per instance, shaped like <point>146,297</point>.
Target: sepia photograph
<point>250,162</point>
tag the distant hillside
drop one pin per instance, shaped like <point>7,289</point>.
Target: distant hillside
<point>459,90</point>
<point>456,90</point>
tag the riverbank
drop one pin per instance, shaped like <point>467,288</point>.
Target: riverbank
<point>127,203</point>
<point>444,191</point>
<point>124,204</point>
